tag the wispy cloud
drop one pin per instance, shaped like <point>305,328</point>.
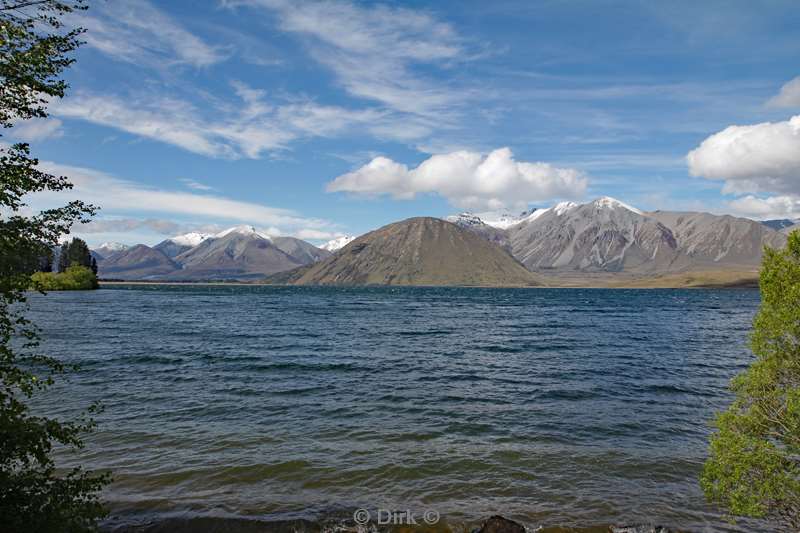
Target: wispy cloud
<point>246,127</point>
<point>37,130</point>
<point>137,32</point>
<point>375,51</point>
<point>128,225</point>
<point>196,185</point>
<point>124,198</point>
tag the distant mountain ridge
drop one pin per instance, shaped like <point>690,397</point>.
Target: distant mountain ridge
<point>238,253</point>
<point>609,236</point>
<point>604,237</point>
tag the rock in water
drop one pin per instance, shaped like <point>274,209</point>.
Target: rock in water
<point>498,524</point>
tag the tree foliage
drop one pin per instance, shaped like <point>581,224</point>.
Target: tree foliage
<point>76,278</point>
<point>74,253</point>
<point>34,495</point>
<point>754,464</point>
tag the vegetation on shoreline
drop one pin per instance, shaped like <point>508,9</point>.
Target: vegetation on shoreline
<point>754,464</point>
<point>76,278</point>
<point>34,494</point>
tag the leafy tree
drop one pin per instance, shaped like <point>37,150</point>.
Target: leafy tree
<point>75,253</point>
<point>46,261</point>
<point>93,267</point>
<point>754,463</point>
<point>34,496</point>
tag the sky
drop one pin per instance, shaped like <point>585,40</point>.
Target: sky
<point>319,119</point>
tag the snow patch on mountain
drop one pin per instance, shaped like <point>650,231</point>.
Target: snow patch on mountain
<point>612,203</point>
<point>244,229</point>
<point>505,220</point>
<point>113,246</point>
<point>339,242</point>
<point>190,239</point>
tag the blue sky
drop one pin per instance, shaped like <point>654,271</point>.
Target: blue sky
<point>317,119</point>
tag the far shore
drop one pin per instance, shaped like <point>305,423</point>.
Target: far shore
<point>687,280</point>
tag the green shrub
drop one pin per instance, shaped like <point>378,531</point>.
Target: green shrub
<point>754,465</point>
<point>76,278</point>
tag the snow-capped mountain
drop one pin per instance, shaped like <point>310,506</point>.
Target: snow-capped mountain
<point>178,244</point>
<point>602,235</point>
<point>243,229</point>
<point>476,224</point>
<point>108,249</point>
<point>503,220</point>
<point>192,238</point>
<point>607,235</point>
<point>241,252</point>
<point>337,243</point>
<point>113,246</point>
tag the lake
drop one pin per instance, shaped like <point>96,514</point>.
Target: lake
<point>557,407</point>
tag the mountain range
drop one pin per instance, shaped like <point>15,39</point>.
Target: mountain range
<point>603,241</point>
<point>238,253</point>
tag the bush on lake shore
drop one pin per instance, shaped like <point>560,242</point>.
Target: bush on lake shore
<point>754,467</point>
<point>76,278</point>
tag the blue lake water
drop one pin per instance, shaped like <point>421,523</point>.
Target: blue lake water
<point>557,407</point>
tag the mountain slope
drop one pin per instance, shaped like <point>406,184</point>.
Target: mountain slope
<point>419,251</point>
<point>107,249</point>
<point>711,241</point>
<point>174,246</point>
<point>303,252</point>
<point>239,253</point>
<point>602,236</point>
<point>476,225</point>
<point>136,262</point>
<point>787,231</point>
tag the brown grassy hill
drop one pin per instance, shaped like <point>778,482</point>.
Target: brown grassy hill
<point>420,251</point>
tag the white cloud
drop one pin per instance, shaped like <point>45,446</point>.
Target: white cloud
<point>121,197</point>
<point>755,158</point>
<point>196,185</point>
<point>786,206</point>
<point>373,50</point>
<point>137,32</point>
<point>789,95</point>
<point>37,129</point>
<point>467,179</point>
<point>127,225</point>
<point>248,127</point>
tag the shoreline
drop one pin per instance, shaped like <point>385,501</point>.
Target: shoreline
<point>181,523</point>
<point>680,281</point>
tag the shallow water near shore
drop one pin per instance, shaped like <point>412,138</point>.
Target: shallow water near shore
<point>564,408</point>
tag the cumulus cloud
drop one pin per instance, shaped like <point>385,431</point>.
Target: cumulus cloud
<point>772,207</point>
<point>467,179</point>
<point>755,158</point>
<point>789,95</point>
